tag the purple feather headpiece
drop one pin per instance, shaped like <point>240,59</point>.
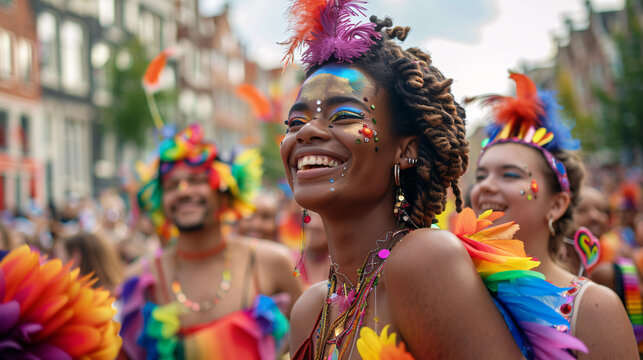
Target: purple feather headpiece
<point>325,27</point>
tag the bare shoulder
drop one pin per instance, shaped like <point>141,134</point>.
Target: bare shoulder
<point>275,269</point>
<point>603,325</point>
<point>604,274</point>
<point>273,250</point>
<point>268,251</point>
<point>305,313</point>
<point>423,248</point>
<point>431,269</point>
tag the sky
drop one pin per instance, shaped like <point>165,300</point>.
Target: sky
<point>475,42</point>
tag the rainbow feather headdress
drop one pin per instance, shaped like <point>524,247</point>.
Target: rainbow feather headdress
<point>325,27</point>
<point>531,118</point>
<point>241,177</point>
<point>48,311</point>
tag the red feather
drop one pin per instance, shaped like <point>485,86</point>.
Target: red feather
<point>523,110</point>
<point>304,19</point>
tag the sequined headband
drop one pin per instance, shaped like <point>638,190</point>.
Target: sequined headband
<point>530,118</point>
<point>556,166</point>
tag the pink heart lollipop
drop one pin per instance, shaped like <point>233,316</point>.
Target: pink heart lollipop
<point>587,247</point>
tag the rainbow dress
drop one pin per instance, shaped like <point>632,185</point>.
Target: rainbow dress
<point>152,331</point>
<point>527,302</point>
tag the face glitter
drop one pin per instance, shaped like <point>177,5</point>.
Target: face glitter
<point>332,180</point>
<point>372,107</point>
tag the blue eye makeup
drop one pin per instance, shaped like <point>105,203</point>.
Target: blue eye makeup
<point>512,175</point>
<point>347,112</point>
<point>296,121</point>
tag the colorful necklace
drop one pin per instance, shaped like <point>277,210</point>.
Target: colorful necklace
<point>203,306</point>
<point>341,332</point>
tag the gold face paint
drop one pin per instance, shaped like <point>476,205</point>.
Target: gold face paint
<point>318,86</point>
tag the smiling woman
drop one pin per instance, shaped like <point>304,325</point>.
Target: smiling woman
<point>374,141</point>
<point>528,172</point>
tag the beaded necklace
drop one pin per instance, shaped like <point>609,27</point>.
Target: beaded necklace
<point>203,306</point>
<point>341,332</point>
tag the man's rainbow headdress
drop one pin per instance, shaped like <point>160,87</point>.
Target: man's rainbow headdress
<point>325,28</point>
<point>531,118</point>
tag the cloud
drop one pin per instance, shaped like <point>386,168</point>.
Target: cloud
<point>473,41</point>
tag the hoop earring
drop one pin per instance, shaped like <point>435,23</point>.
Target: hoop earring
<point>550,223</point>
<point>396,174</point>
<point>305,219</point>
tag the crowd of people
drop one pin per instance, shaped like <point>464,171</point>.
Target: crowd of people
<point>209,263</point>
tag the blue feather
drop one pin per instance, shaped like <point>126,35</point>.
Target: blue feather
<point>563,139</point>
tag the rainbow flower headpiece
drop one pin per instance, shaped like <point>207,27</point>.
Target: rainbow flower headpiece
<point>531,118</point>
<point>324,26</point>
<point>240,177</point>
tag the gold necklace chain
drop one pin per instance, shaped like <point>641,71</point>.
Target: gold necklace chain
<point>203,306</point>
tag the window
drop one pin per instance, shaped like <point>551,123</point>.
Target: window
<point>25,134</point>
<point>4,127</point>
<point>130,14</point>
<point>72,56</point>
<point>47,30</point>
<point>106,12</point>
<point>149,31</point>
<point>6,54</point>
<point>25,60</point>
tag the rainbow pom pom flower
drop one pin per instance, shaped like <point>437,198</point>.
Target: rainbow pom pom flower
<point>48,312</point>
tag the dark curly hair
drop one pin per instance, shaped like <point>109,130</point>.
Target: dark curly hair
<point>575,173</point>
<point>422,103</point>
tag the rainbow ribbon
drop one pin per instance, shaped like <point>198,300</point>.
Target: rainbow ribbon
<point>632,295</point>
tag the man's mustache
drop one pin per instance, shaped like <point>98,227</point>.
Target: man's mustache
<point>199,201</point>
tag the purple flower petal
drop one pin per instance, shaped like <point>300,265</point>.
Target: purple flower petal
<point>9,313</point>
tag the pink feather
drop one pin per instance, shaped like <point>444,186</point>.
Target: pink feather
<point>338,37</point>
<point>549,343</point>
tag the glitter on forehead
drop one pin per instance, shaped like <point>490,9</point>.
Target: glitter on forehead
<point>355,78</point>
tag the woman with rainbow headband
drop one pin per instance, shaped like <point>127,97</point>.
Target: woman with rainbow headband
<point>206,295</point>
<point>374,141</point>
<point>527,171</point>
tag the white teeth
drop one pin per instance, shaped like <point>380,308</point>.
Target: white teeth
<point>316,160</point>
<point>493,206</point>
